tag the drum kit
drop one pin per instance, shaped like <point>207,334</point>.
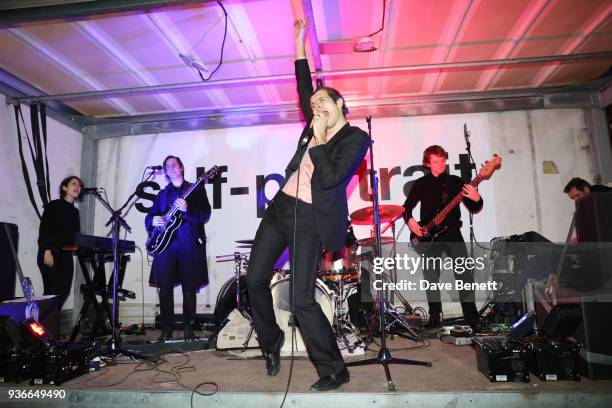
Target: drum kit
<point>338,289</point>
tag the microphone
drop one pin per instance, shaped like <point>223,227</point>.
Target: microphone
<point>158,167</point>
<point>90,190</point>
<point>306,139</point>
<point>466,135</point>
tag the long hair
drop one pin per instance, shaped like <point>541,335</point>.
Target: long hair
<point>179,161</point>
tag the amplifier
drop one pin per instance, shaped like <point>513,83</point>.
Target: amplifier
<point>502,359</point>
<point>13,367</point>
<point>63,362</point>
<point>553,359</point>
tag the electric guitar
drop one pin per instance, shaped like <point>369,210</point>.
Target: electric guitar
<point>160,237</point>
<point>433,229</point>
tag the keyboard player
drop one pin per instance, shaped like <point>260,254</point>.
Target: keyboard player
<point>60,220</point>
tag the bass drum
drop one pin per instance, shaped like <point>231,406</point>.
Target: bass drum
<point>282,309</point>
<point>360,308</point>
<point>226,300</point>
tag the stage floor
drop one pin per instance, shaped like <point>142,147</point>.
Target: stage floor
<point>453,380</point>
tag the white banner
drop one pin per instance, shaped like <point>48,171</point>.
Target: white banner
<point>253,162</point>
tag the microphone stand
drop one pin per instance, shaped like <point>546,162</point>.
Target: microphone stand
<point>118,221</point>
<point>151,174</point>
<point>384,355</point>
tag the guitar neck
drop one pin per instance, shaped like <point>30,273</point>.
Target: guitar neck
<point>437,220</point>
<point>209,174</point>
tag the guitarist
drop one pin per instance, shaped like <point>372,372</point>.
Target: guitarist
<point>184,260</point>
<point>433,191</point>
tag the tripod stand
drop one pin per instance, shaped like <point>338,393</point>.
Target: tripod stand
<point>384,355</point>
<point>117,222</point>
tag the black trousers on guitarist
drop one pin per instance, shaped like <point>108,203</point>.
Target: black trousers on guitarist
<point>183,261</point>
<point>449,244</point>
<point>433,191</point>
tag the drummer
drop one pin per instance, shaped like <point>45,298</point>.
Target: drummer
<point>346,254</point>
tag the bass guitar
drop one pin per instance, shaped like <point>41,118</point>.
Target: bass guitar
<point>433,229</point>
<point>160,237</point>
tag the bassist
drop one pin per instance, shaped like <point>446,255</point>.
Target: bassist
<point>183,261</point>
<point>434,191</point>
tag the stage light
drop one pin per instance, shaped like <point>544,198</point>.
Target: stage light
<point>364,44</point>
<point>36,333</point>
<point>193,62</point>
<point>37,328</point>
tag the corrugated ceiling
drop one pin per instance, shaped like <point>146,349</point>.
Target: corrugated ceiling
<point>141,48</point>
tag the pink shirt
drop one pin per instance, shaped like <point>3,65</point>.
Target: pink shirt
<point>306,169</point>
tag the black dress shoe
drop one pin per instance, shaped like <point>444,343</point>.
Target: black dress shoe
<point>273,358</point>
<point>332,381</point>
<point>164,336</point>
<point>433,323</point>
<point>188,332</point>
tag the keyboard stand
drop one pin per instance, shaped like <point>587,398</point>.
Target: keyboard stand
<point>93,288</point>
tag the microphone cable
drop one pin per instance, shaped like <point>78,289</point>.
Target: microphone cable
<point>294,270</point>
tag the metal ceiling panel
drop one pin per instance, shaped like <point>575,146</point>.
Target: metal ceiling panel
<point>572,72</point>
<point>141,48</point>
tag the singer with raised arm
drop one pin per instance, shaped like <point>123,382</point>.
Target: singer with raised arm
<point>183,260</point>
<point>59,223</point>
<point>434,191</point>
<point>308,213</point>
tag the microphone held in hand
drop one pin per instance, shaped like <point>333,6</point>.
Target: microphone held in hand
<point>309,135</point>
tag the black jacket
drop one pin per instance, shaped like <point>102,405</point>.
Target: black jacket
<point>60,221</point>
<point>334,163</point>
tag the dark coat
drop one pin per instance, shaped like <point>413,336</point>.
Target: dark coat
<point>335,164</point>
<point>184,260</point>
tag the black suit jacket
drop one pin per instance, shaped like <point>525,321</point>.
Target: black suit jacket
<point>335,164</point>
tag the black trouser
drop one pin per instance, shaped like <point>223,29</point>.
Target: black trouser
<point>452,245</point>
<point>57,280</point>
<point>166,307</point>
<point>274,234</point>
<point>179,262</point>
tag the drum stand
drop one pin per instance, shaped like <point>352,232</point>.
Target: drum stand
<point>341,324</point>
<point>392,311</point>
<point>384,355</point>
<point>240,262</point>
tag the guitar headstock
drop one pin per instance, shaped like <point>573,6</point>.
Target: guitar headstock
<point>210,174</point>
<point>490,166</point>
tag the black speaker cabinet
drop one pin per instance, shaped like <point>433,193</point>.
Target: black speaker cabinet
<point>8,269</point>
<point>595,334</point>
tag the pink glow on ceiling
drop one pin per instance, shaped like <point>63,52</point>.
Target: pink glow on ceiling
<point>142,49</point>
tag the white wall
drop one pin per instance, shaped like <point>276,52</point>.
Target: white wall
<point>519,197</point>
<point>64,154</point>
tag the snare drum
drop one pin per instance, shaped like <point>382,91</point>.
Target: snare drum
<point>282,309</point>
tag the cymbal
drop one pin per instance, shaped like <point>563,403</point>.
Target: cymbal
<point>229,257</point>
<point>244,246</point>
<point>388,213</point>
<point>245,241</point>
<point>372,241</point>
